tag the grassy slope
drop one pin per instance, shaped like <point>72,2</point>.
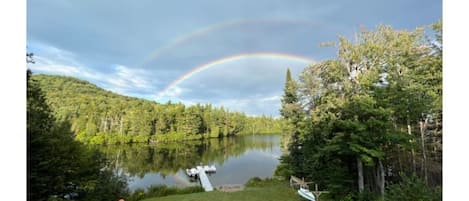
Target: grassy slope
<point>273,191</point>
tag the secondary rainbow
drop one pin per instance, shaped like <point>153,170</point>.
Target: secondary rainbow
<point>232,58</point>
<point>220,26</point>
<point>190,36</point>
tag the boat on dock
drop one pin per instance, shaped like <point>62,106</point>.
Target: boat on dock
<point>211,168</point>
<point>199,172</point>
<point>192,172</point>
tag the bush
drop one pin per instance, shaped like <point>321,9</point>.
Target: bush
<point>283,170</point>
<point>162,190</point>
<point>140,139</point>
<point>258,182</point>
<point>99,138</point>
<point>367,196</point>
<point>138,194</point>
<point>82,137</point>
<point>191,189</point>
<point>253,182</point>
<point>413,188</point>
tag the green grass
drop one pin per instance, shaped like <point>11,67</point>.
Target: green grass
<point>271,190</point>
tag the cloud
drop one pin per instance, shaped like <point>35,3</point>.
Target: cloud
<point>122,79</point>
<point>125,77</point>
<point>252,85</point>
<point>174,92</point>
<point>271,98</point>
<point>253,106</point>
<point>113,45</point>
<point>44,65</point>
<point>240,79</point>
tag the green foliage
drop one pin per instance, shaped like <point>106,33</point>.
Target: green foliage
<point>102,117</point>
<point>255,181</point>
<point>284,170</point>
<point>258,182</point>
<point>413,188</point>
<point>355,196</point>
<point>359,113</point>
<point>161,191</point>
<point>59,166</point>
<point>291,109</point>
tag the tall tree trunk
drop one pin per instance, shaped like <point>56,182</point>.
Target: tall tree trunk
<point>382,178</point>
<point>423,127</point>
<point>361,185</point>
<point>398,149</point>
<point>121,125</point>
<point>409,131</point>
<point>399,160</point>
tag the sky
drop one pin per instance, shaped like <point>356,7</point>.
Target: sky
<point>228,53</point>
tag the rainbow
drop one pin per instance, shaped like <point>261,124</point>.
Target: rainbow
<point>181,179</point>
<point>233,58</point>
<point>187,37</point>
<point>219,26</point>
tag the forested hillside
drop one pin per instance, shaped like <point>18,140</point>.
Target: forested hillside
<point>98,116</point>
<point>59,166</point>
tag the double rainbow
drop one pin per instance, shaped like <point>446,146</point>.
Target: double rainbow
<point>204,31</point>
<point>233,58</point>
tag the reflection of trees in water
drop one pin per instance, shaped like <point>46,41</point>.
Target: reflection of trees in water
<point>168,158</point>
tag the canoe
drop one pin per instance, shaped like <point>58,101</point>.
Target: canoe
<point>303,192</point>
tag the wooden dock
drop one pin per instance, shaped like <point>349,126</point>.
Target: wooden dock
<point>204,179</point>
<point>295,181</point>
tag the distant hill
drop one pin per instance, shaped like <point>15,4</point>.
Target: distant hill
<point>99,116</point>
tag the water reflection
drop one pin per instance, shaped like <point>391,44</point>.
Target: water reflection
<point>237,159</point>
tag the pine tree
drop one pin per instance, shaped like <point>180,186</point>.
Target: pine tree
<point>291,111</point>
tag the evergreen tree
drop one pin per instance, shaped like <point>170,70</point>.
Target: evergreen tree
<point>291,108</point>
<point>291,111</point>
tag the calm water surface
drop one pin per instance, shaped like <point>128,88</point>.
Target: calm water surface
<point>237,159</point>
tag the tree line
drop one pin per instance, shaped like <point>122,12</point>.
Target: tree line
<point>367,125</point>
<point>98,116</point>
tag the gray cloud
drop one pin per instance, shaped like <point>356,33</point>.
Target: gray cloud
<point>113,43</point>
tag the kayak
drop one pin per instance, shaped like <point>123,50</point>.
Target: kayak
<point>306,194</point>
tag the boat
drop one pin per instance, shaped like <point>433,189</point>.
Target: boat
<point>211,168</point>
<point>192,172</point>
<point>304,192</point>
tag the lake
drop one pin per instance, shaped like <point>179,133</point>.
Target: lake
<point>237,159</point>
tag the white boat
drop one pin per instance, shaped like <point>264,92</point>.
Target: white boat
<point>192,172</point>
<point>211,168</point>
<point>304,192</point>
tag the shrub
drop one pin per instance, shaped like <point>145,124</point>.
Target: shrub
<point>283,170</point>
<point>258,182</point>
<point>162,190</point>
<point>99,138</point>
<point>413,188</point>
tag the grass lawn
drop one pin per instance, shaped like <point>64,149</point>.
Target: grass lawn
<point>271,190</point>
